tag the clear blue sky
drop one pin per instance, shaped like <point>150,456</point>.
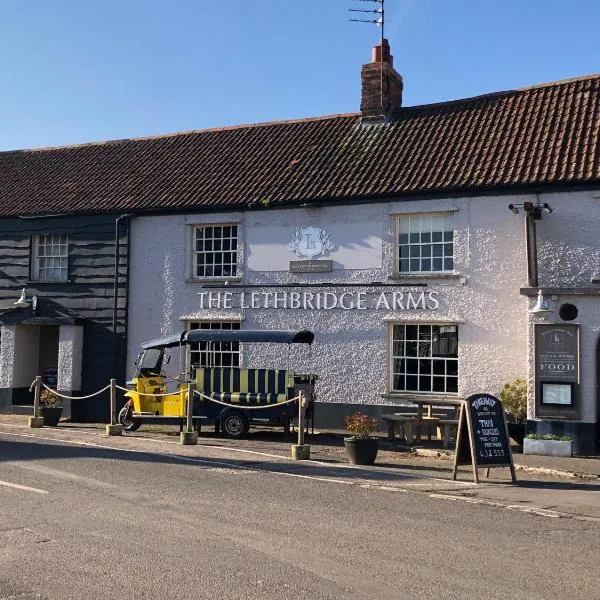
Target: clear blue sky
<point>73,71</point>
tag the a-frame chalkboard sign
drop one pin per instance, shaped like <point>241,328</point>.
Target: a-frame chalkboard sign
<point>482,438</point>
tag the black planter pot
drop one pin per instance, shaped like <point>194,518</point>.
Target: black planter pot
<point>361,451</point>
<point>51,415</point>
<point>517,432</point>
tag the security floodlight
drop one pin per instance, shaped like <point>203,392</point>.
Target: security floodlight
<point>513,208</point>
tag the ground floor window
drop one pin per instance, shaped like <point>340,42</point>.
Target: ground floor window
<point>425,358</point>
<point>220,354</point>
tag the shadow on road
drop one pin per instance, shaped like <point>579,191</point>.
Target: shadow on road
<point>20,450</point>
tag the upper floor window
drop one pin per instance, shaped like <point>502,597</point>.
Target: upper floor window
<point>215,251</point>
<point>50,257</point>
<point>217,354</point>
<point>425,243</point>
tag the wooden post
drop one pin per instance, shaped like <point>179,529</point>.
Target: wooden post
<point>36,420</point>
<point>301,410</point>
<point>300,451</point>
<point>113,428</point>
<point>190,407</point>
<point>37,395</point>
<point>113,402</point>
<point>189,437</point>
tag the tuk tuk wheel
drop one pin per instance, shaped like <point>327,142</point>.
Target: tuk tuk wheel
<point>234,424</point>
<point>127,421</point>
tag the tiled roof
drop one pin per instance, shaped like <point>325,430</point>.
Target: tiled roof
<point>548,134</point>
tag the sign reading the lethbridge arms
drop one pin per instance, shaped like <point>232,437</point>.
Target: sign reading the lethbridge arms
<point>321,300</point>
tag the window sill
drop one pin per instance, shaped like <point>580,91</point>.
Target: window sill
<point>415,396</point>
<point>47,281</point>
<point>235,279</point>
<point>426,275</point>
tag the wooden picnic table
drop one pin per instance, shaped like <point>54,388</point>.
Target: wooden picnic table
<point>410,424</point>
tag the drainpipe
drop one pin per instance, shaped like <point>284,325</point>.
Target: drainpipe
<point>531,242</point>
<point>116,291</point>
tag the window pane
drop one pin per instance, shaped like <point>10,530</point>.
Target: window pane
<point>425,237</point>
<point>412,367</point>
<point>215,251</point>
<point>51,257</point>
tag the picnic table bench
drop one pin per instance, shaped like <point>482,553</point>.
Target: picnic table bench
<point>409,424</point>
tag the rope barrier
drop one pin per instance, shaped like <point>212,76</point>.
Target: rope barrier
<point>74,397</point>
<point>147,393</point>
<point>244,406</point>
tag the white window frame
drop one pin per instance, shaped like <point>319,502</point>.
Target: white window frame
<point>213,356</point>
<point>50,254</point>
<point>428,233</point>
<point>421,349</point>
<point>225,259</point>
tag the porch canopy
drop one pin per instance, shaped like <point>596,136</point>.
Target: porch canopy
<point>277,336</point>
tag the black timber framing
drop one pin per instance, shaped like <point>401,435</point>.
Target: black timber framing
<point>88,295</point>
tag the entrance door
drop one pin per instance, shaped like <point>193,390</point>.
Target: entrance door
<point>48,354</point>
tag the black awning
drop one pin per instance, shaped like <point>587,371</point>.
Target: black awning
<point>47,312</point>
<point>166,342</point>
<point>277,336</point>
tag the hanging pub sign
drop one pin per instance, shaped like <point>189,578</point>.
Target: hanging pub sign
<point>557,371</point>
<point>482,438</point>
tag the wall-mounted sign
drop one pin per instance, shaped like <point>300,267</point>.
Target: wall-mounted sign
<point>557,370</point>
<point>311,266</point>
<point>311,241</point>
<point>306,300</point>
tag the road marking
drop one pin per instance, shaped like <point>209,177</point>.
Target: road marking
<point>25,488</point>
<point>540,512</point>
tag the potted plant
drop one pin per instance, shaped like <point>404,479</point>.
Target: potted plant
<point>548,444</point>
<point>361,448</point>
<point>50,407</point>
<point>514,400</point>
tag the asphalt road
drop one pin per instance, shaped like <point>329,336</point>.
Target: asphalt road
<point>83,520</point>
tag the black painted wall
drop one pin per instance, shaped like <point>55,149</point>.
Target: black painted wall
<point>89,293</point>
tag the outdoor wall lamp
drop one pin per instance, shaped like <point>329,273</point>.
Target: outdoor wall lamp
<point>23,301</point>
<point>533,213</point>
<point>542,306</point>
<point>533,210</point>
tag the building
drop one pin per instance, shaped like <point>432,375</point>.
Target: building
<point>387,232</point>
<point>63,311</point>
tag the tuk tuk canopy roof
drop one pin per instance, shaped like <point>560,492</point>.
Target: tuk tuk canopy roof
<point>277,336</point>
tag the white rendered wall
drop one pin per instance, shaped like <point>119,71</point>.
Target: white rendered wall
<point>569,257</point>
<point>26,353</point>
<point>351,349</point>
<point>7,356</point>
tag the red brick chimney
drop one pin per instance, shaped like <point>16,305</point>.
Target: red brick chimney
<point>381,86</point>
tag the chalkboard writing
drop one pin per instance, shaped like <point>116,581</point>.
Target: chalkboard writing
<point>489,430</point>
<point>482,439</point>
<point>50,377</point>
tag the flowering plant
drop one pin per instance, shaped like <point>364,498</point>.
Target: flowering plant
<point>50,399</point>
<point>361,426</point>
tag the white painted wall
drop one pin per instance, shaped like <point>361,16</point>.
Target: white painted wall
<point>26,353</point>
<point>569,257</point>
<point>351,349</point>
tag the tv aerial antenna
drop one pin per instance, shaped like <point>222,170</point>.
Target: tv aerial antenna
<point>380,11</point>
<point>379,20</point>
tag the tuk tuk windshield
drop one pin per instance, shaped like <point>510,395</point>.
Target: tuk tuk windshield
<point>151,361</point>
